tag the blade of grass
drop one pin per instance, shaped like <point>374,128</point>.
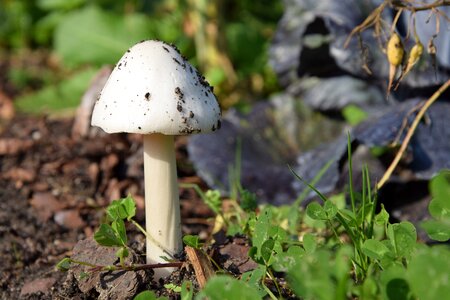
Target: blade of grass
<point>321,196</point>
<point>350,173</point>
<point>234,171</point>
<point>313,182</point>
<point>324,199</point>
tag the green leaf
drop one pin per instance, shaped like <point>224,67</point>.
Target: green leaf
<point>353,114</point>
<point>330,209</point>
<point>248,200</point>
<point>374,249</point>
<point>106,236</point>
<point>233,229</point>
<point>312,223</point>
<point>59,4</point>
<point>213,200</point>
<point>187,291</point>
<point>437,230</point>
<point>368,289</point>
<point>249,58</point>
<point>428,273</point>
<point>403,237</point>
<point>119,227</point>
<point>129,205</point>
<point>394,285</point>
<point>268,249</point>
<point>342,265</point>
<point>173,287</point>
<point>64,264</point>
<point>439,208</point>
<point>315,211</point>
<point>440,189</point>
<point>45,26</point>
<point>122,252</point>
<point>389,258</point>
<point>227,288</point>
<point>145,295</point>
<point>77,43</point>
<point>124,208</point>
<point>338,200</point>
<point>56,97</point>
<point>309,243</point>
<point>382,218</point>
<point>363,213</point>
<point>311,277</point>
<point>285,260</point>
<point>216,75</point>
<point>254,278</point>
<point>320,275</point>
<point>264,230</point>
<point>192,241</point>
<point>253,254</point>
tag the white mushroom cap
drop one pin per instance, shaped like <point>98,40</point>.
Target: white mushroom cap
<point>154,89</point>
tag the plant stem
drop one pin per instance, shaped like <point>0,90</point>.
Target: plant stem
<point>410,133</point>
<point>83,263</point>
<point>435,4</point>
<point>140,228</point>
<point>269,271</point>
<point>162,207</point>
<point>176,264</point>
<point>95,268</point>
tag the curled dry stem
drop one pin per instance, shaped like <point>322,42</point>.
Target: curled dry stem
<point>370,21</point>
<point>410,133</point>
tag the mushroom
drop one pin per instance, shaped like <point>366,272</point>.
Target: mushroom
<point>154,91</point>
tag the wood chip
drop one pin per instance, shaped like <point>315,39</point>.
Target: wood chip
<point>20,174</point>
<point>202,265</point>
<point>12,146</point>
<point>236,254</point>
<point>7,110</point>
<point>45,205</point>
<point>40,285</point>
<point>69,218</point>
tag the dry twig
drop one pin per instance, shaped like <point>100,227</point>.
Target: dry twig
<point>410,133</point>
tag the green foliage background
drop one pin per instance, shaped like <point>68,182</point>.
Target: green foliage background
<point>226,40</point>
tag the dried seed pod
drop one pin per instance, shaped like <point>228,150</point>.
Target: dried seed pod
<point>394,54</point>
<point>414,55</point>
<point>395,50</point>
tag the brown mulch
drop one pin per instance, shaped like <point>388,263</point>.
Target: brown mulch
<point>53,189</point>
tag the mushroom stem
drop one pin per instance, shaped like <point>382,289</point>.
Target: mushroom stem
<point>162,208</point>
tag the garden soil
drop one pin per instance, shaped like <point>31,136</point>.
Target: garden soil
<point>53,191</point>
